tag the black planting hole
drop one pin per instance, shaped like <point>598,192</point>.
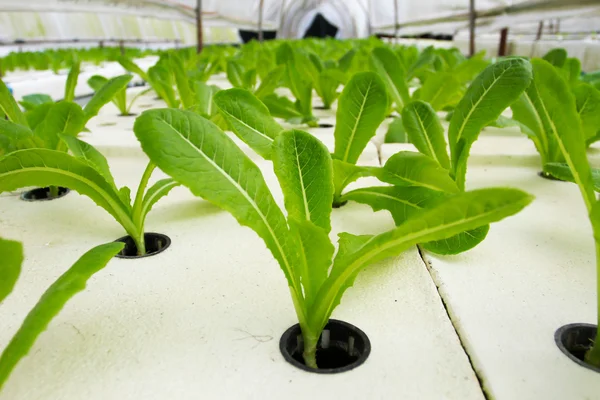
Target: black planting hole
<point>339,205</point>
<point>325,125</point>
<point>347,348</point>
<point>155,243</point>
<point>44,194</point>
<point>128,115</point>
<point>321,108</point>
<point>548,176</point>
<point>574,340</point>
<point>392,116</point>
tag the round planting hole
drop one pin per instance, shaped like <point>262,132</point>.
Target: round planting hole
<point>107,124</point>
<point>155,243</point>
<point>341,347</point>
<point>44,194</point>
<point>320,108</point>
<point>338,205</point>
<point>392,116</point>
<point>145,105</point>
<point>128,115</point>
<point>325,125</point>
<point>574,340</point>
<point>546,175</point>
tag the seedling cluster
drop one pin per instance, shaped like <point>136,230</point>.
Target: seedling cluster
<point>203,135</point>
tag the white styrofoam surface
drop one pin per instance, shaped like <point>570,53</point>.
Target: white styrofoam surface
<point>203,319</point>
<point>534,273</point>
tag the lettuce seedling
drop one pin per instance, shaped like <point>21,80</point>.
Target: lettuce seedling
<point>52,301</point>
<point>531,110</point>
<point>88,173</point>
<point>562,112</point>
<point>199,155</point>
<point>239,76</point>
<point>299,82</point>
<point>97,82</point>
<point>425,178</point>
<point>41,127</point>
<point>362,107</point>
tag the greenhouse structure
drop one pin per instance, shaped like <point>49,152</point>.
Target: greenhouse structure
<point>299,199</point>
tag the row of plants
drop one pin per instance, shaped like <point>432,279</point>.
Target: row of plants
<point>425,191</point>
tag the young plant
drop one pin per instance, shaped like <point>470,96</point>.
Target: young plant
<point>97,82</point>
<point>531,110</point>
<point>562,112</point>
<point>88,173</point>
<point>41,127</point>
<point>299,82</point>
<point>362,107</point>
<point>208,162</point>
<point>420,179</point>
<point>52,301</point>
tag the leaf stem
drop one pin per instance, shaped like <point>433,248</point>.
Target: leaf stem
<point>138,220</point>
<point>593,355</point>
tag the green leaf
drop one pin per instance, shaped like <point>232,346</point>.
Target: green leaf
<point>96,82</point>
<point>14,133</point>
<point>234,74</point>
<point>301,87</point>
<point>396,132</point>
<point>461,212</point>
<point>496,88</point>
<point>345,62</point>
<point>52,302</point>
<point>186,96</point>
<point>556,57</point>
<point>407,168</point>
<point>195,153</point>
<point>162,82</point>
<point>572,70</point>
<point>9,107</point>
<point>105,94</point>
<point>329,81</point>
<point>62,118</point>
<point>159,190</point>
<point>559,108</point>
<point>588,107</point>
<point>563,172</point>
<point>71,83</point>
<point>32,101</point>
<point>361,109</point>
<point>10,268</point>
<point>458,243</point>
<point>281,107</point>
<point>203,98</point>
<point>388,66</point>
<point>90,155</point>
<point>467,70</point>
<point>37,115</point>
<point>425,131</point>
<point>42,167</point>
<point>441,90</point>
<point>345,173</point>
<point>304,170</point>
<point>401,201</point>
<point>133,67</point>
<point>315,252</point>
<point>270,82</point>
<point>249,119</point>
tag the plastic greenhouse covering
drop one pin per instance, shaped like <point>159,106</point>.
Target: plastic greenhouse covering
<point>354,18</point>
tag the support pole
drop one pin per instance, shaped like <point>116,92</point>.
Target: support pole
<point>540,31</point>
<point>503,40</point>
<point>261,35</point>
<point>122,47</point>
<point>200,39</point>
<point>472,18</point>
<point>396,25</point>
